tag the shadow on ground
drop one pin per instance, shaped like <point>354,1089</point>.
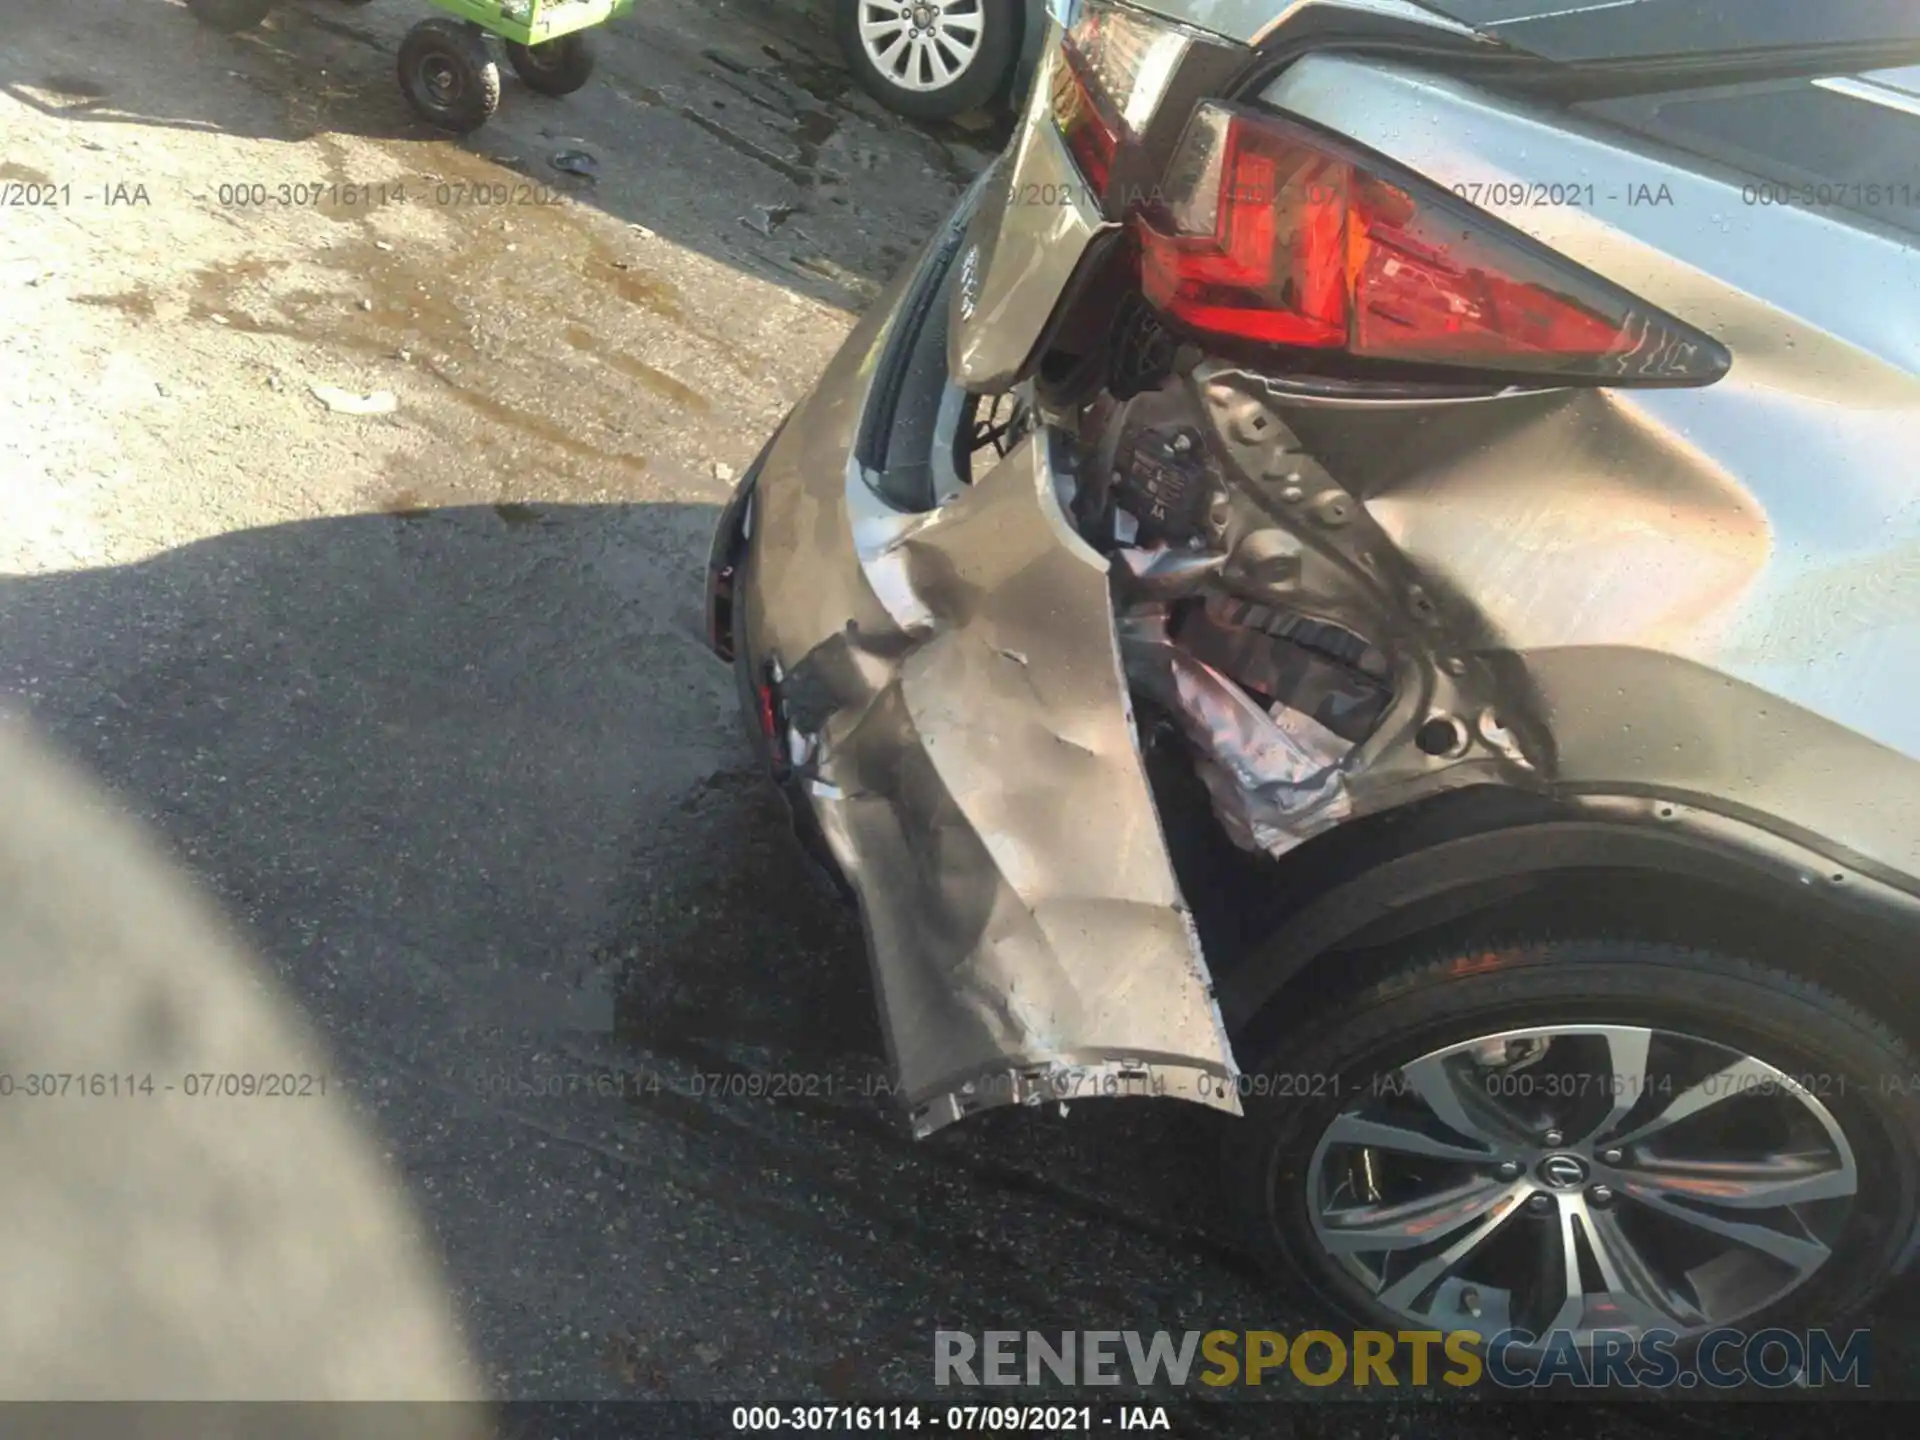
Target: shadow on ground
<point>470,782</point>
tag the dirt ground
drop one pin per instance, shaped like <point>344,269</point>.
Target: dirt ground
<point>421,695</point>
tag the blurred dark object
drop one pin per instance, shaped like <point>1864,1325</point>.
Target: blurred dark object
<point>166,1239</point>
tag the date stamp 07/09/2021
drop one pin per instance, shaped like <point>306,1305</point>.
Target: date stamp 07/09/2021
<point>609,1082</point>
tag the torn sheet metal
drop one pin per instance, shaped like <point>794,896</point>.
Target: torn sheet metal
<point>973,764</point>
<point>1274,774</point>
<point>1316,673</point>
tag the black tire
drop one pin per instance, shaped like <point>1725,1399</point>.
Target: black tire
<point>972,89</point>
<point>1472,990</point>
<point>558,67</point>
<point>449,76</point>
<point>230,15</point>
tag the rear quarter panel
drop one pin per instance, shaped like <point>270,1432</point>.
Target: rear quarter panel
<point>1714,593</point>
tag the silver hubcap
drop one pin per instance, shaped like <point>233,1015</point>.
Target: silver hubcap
<point>1581,1178</point>
<point>922,46</point>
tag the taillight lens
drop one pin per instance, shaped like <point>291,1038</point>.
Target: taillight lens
<point>1113,72</point>
<point>1268,233</point>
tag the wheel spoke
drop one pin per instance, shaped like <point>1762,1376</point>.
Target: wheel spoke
<point>1352,1129</point>
<point>936,61</point>
<point>1629,1276</point>
<point>1631,1296</point>
<point>968,23</point>
<point>1800,1252</point>
<point>1627,1047</point>
<point>889,57</point>
<point>1747,1184</point>
<point>1410,1223</point>
<point>1405,1291</point>
<point>1746,1076</point>
<point>1458,1108</point>
<point>881,29</point>
<point>1562,1260</point>
<point>955,51</point>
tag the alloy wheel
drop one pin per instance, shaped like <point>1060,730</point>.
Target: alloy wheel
<point>925,45</point>
<point>1580,1178</point>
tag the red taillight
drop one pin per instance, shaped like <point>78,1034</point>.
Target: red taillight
<point>1090,135</point>
<point>769,713</point>
<point>1113,70</point>
<point>1272,235</point>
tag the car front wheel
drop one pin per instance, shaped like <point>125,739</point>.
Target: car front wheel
<point>1583,1136</point>
<point>929,59</point>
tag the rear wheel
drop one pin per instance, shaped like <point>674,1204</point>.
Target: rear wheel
<point>1578,1136</point>
<point>449,76</point>
<point>558,67</point>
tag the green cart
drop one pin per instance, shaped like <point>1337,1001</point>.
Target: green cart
<point>448,73</point>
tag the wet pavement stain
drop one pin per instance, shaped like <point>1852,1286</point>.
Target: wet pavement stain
<point>137,302</point>
<point>739,144</point>
<point>813,128</point>
<point>772,88</point>
<point>826,83</point>
<point>516,514</point>
<point>515,417</point>
<point>658,381</point>
<point>755,897</point>
<point>445,321</point>
<point>307,78</point>
<point>636,287</point>
<point>800,171</point>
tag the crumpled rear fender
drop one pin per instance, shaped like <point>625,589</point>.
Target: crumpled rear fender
<point>964,737</point>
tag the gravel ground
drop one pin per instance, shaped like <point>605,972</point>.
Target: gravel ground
<point>421,695</point>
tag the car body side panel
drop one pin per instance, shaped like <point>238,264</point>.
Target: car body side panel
<point>1036,221</point>
<point>1605,30</point>
<point>1581,31</point>
<point>1250,22</point>
<point>953,711</point>
<point>1712,593</point>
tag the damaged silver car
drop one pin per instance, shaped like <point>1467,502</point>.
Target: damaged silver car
<point>1369,580</point>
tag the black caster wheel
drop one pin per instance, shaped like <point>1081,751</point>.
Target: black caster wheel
<point>230,14</point>
<point>558,67</point>
<point>449,76</point>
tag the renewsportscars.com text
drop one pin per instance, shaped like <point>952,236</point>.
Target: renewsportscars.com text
<point>1724,1359</point>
